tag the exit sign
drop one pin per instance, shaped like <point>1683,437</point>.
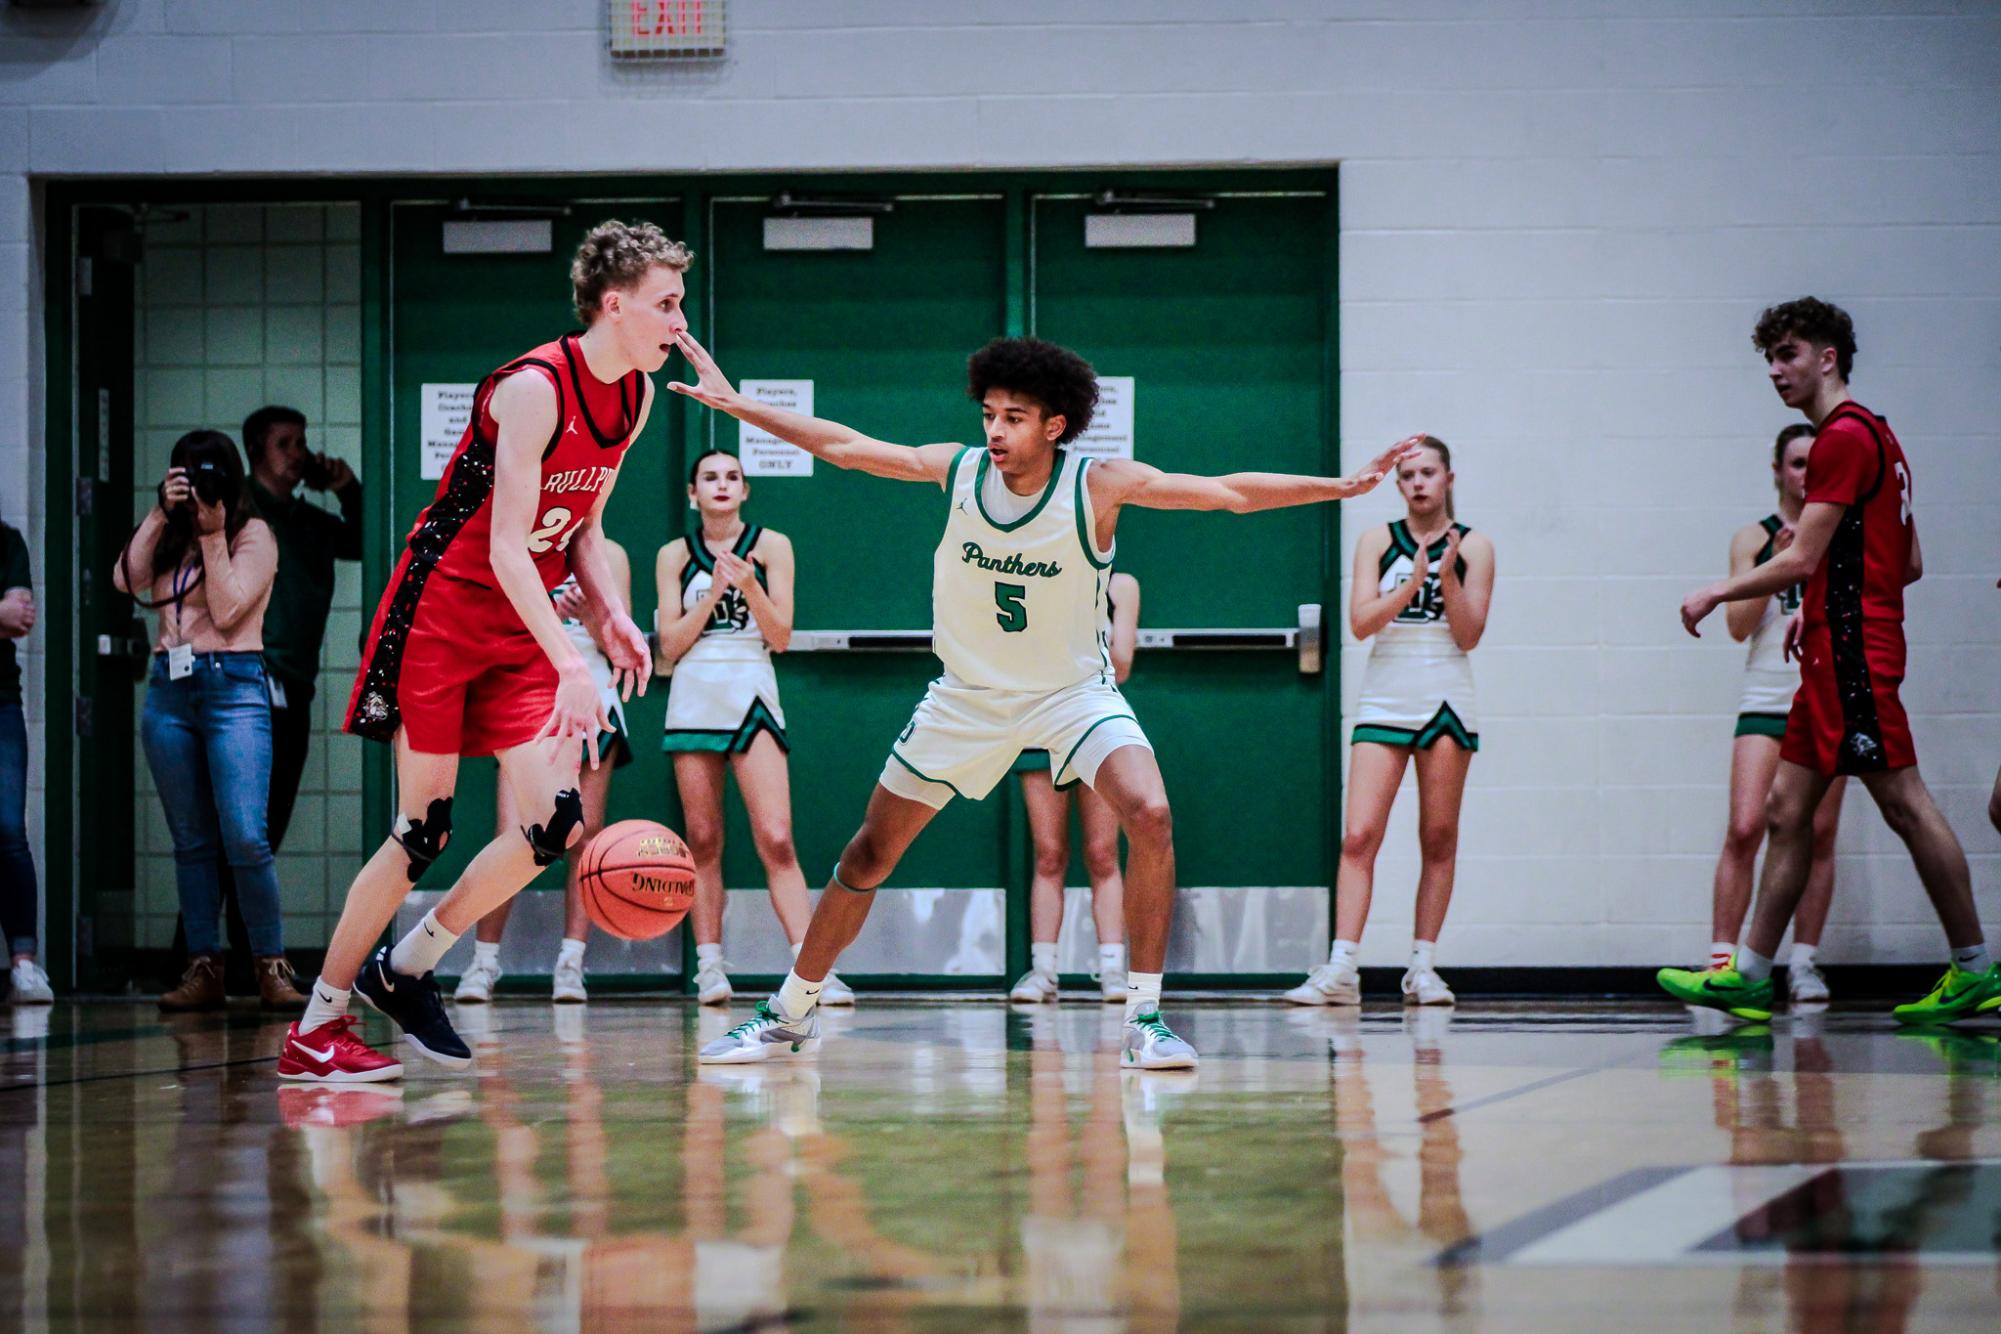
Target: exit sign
<point>666,29</point>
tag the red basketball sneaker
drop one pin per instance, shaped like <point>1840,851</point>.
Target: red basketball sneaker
<point>332,1054</point>
<point>335,1107</point>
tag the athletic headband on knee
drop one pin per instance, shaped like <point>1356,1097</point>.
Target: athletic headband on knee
<point>845,885</point>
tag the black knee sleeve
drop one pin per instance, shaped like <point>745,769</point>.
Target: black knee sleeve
<point>552,840</point>
<point>422,840</point>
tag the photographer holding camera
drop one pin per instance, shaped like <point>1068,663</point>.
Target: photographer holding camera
<point>310,540</point>
<point>205,563</point>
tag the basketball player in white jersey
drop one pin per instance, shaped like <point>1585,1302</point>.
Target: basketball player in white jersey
<point>1421,591</point>
<point>1771,679</point>
<point>476,984</point>
<point>725,604</point>
<point>1018,620</point>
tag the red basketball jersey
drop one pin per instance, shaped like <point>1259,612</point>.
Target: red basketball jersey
<point>594,422</point>
<point>1857,462</point>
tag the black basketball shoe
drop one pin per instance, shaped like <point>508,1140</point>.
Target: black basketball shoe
<point>416,1007</point>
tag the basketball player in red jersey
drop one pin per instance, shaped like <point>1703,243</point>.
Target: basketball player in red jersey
<point>468,657</point>
<point>1856,547</point>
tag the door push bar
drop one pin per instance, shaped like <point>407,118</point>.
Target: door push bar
<point>1305,638</point>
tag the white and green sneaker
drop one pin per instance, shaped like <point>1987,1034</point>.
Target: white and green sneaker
<point>1151,1045</point>
<point>764,1036</point>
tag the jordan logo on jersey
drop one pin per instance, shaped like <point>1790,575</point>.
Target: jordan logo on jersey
<point>1010,564</point>
<point>593,478</point>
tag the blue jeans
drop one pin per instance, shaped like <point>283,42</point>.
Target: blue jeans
<point>208,743</point>
<point>17,864</point>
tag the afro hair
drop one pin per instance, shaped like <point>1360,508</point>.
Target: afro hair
<point>1057,378</point>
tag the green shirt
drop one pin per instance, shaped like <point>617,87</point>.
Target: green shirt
<point>13,574</point>
<point>310,540</point>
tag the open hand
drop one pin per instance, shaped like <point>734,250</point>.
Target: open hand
<point>578,712</point>
<point>711,386</point>
<point>1383,465</point>
<point>1448,563</point>
<point>1796,638</point>
<point>631,660</point>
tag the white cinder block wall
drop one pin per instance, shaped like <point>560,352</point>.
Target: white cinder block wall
<point>1560,218</point>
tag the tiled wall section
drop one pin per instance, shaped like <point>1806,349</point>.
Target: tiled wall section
<point>240,306</point>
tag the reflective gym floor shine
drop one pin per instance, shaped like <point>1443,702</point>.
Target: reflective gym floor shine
<point>959,1165</point>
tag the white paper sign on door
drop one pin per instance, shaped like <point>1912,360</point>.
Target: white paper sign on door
<point>1111,432</point>
<point>763,454</point>
<point>446,408</point>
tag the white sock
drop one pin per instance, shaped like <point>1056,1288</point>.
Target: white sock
<point>1752,964</point>
<point>1802,956</point>
<point>1142,994</point>
<point>1111,959</point>
<point>327,1004</point>
<point>1042,957</point>
<point>1973,959</point>
<point>1421,952</point>
<point>712,954</point>
<point>418,953</point>
<point>571,948</point>
<point>797,997</point>
<point>1342,956</point>
<point>1720,952</point>
<point>486,954</point>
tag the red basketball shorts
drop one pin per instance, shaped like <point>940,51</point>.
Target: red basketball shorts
<point>1847,717</point>
<point>451,664</point>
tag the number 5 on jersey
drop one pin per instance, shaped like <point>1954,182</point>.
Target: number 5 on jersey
<point>552,523</point>
<point>1013,614</point>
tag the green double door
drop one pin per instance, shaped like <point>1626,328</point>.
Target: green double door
<point>1228,344</point>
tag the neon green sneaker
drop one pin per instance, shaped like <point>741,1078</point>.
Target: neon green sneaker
<point>1958,995</point>
<point>1723,989</point>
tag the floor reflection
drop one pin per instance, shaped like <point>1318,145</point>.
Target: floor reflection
<point>956,1165</point>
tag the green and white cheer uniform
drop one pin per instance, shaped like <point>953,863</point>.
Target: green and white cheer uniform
<point>1018,619</point>
<point>1769,680</point>
<point>612,745</point>
<point>723,691</point>
<point>1418,684</point>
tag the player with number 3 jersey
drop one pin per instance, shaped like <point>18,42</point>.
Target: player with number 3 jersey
<point>1856,547</point>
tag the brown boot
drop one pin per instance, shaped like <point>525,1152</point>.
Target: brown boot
<point>278,985</point>
<point>200,988</point>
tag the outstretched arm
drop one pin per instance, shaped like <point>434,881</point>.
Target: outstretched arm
<point>1794,565</point>
<point>839,445</point>
<point>1128,482</point>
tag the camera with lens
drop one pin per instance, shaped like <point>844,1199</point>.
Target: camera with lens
<point>208,481</point>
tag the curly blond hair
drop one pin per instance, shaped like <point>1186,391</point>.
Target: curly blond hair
<point>618,254</point>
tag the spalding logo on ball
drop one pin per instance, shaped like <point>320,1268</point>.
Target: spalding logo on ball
<point>638,879</point>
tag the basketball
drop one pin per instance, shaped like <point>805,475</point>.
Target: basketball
<point>638,879</point>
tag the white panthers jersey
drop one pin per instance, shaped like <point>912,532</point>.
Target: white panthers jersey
<point>1020,604</point>
<point>1768,641</point>
<point>732,633</point>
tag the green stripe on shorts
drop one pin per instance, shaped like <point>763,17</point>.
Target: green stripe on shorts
<point>1762,724</point>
